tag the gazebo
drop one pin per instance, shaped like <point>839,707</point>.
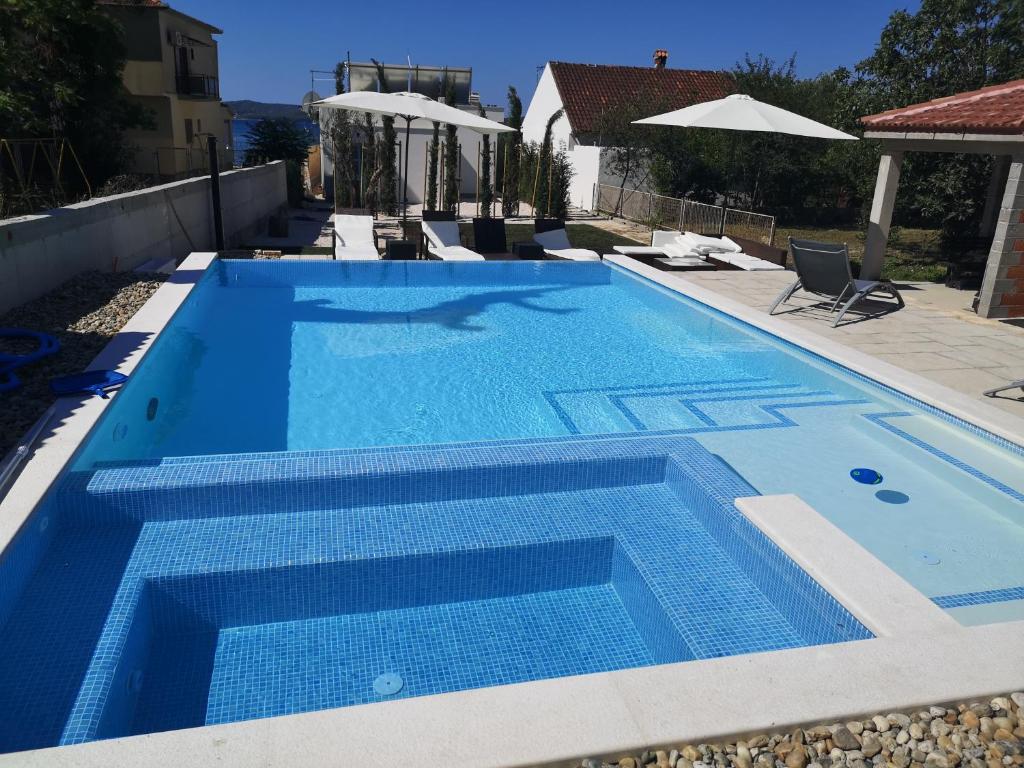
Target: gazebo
<point>987,121</point>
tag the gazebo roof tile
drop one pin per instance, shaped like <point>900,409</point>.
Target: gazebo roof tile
<point>997,109</point>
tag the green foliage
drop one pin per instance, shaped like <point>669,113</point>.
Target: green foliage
<point>948,46</point>
<point>451,157</point>
<point>435,148</point>
<point>509,151</point>
<point>486,190</point>
<point>60,77</point>
<point>558,193</point>
<point>340,149</point>
<point>543,172</point>
<point>387,157</point>
<point>277,139</point>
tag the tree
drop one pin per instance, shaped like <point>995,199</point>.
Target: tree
<point>60,77</point>
<point>486,190</point>
<point>542,171</point>
<point>371,169</point>
<point>281,139</point>
<point>629,146</point>
<point>561,176</point>
<point>277,139</point>
<point>435,148</point>
<point>338,124</point>
<point>388,180</point>
<point>510,152</point>
<point>948,46</point>
<point>451,156</point>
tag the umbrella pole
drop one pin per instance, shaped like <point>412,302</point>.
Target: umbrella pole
<point>405,185</point>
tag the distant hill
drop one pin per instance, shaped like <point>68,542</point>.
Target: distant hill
<point>245,109</point>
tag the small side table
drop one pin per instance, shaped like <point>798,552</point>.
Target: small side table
<point>528,251</point>
<point>399,250</point>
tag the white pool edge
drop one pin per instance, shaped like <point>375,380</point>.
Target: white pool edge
<point>920,655</point>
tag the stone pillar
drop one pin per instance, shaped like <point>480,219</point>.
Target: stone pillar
<point>1002,289</point>
<point>994,195</point>
<point>881,215</point>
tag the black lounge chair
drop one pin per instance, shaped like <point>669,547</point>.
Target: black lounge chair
<point>489,236</point>
<point>824,270</point>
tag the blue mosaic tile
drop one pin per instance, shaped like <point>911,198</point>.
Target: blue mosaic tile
<point>211,606</point>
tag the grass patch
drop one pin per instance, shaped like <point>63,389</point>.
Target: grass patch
<point>580,235</point>
<point>912,254</point>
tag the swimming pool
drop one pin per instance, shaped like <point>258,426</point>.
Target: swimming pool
<point>332,484</point>
<point>314,356</point>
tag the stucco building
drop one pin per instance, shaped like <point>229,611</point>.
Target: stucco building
<point>172,70</point>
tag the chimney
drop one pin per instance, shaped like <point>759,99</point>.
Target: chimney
<point>660,58</point>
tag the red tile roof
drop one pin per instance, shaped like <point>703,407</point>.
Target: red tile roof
<point>996,109</point>
<point>589,90</point>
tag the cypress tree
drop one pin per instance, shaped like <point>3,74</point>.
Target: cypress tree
<point>512,155</point>
<point>451,156</point>
<point>435,146</point>
<point>486,190</point>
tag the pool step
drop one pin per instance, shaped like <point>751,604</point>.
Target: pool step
<point>288,483</point>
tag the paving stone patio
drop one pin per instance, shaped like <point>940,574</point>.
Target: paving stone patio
<point>936,335</point>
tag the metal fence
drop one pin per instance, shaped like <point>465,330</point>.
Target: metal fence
<point>660,212</point>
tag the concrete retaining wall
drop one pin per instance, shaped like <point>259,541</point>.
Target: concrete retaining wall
<point>118,233</point>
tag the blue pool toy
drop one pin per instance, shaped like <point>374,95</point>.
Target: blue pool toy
<point>96,382</point>
<point>47,345</point>
<point>866,476</point>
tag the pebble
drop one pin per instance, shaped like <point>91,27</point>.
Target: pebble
<point>843,739</point>
<point>974,735</point>
<point>870,745</point>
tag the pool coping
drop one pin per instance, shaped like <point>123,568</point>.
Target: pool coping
<point>66,425</point>
<point>920,654</point>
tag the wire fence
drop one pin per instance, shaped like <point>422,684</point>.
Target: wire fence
<point>661,212</point>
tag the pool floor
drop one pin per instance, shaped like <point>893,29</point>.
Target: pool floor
<point>182,603</point>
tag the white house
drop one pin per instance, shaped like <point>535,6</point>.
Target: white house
<point>587,92</point>
<point>427,80</point>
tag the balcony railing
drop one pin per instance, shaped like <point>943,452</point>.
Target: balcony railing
<point>203,86</point>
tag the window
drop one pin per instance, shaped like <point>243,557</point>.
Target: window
<point>199,125</point>
<point>188,131</point>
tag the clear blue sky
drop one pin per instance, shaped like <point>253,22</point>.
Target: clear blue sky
<point>268,48</point>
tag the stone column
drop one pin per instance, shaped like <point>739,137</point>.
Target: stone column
<point>994,195</point>
<point>881,215</point>
<point>1002,289</point>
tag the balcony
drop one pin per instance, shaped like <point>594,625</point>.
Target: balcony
<point>198,86</point>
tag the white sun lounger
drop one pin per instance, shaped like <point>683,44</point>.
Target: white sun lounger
<point>354,238</point>
<point>556,244</point>
<point>444,242</point>
<point>688,245</point>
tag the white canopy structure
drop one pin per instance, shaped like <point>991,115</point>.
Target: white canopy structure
<point>410,106</point>
<point>743,113</point>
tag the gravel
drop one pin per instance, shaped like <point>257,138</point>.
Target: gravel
<point>977,734</point>
<point>84,314</point>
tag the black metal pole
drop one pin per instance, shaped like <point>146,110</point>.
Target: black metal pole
<point>218,222</point>
<point>405,184</point>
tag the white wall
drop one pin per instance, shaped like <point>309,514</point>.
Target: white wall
<point>420,134</point>
<point>118,233</point>
<point>586,166</point>
<point>545,102</point>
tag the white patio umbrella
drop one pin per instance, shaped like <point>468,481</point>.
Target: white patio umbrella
<point>410,106</point>
<point>743,113</point>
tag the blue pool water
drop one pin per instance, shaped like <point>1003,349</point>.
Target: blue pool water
<point>463,475</point>
<point>266,586</point>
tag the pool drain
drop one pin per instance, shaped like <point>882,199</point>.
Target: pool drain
<point>387,684</point>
